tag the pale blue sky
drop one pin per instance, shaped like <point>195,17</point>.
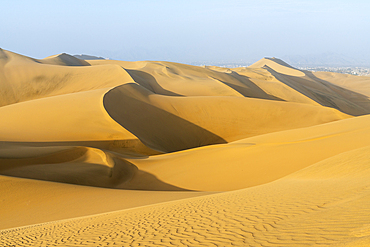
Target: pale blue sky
<point>186,31</point>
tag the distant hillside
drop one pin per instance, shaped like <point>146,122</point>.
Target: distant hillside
<point>88,57</point>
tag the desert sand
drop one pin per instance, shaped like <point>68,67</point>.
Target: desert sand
<point>150,153</point>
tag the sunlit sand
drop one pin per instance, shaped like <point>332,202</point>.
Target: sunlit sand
<point>165,154</point>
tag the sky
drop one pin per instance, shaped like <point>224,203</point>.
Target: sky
<point>189,31</point>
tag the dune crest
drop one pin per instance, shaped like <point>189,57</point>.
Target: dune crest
<point>26,79</point>
<point>64,59</point>
<point>160,153</point>
<point>277,65</point>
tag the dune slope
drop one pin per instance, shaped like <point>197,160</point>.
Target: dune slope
<point>169,123</point>
<point>324,204</point>
<point>25,78</point>
<point>162,153</point>
<point>257,160</point>
<point>31,201</point>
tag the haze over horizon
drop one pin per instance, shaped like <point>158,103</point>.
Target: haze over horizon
<point>188,31</point>
<point>266,142</point>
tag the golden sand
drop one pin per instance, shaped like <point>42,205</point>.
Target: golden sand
<point>105,152</point>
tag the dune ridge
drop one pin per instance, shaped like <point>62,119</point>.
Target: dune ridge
<point>244,163</point>
<point>25,79</point>
<point>64,59</point>
<point>160,153</point>
<point>205,119</point>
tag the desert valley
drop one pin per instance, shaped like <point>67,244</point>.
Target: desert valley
<point>151,153</point>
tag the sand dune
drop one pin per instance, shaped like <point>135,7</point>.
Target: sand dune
<point>324,204</point>
<point>257,160</point>
<point>64,59</point>
<point>68,117</point>
<point>30,201</point>
<point>358,84</point>
<point>168,123</point>
<point>25,79</point>
<point>159,153</point>
<point>321,91</point>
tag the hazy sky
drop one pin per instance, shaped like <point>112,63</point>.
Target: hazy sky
<point>186,31</point>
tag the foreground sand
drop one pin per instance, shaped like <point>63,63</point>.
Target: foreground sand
<point>104,152</point>
<point>26,201</point>
<point>324,204</point>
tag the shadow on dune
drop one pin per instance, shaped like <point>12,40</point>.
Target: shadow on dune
<point>71,166</point>
<point>142,180</point>
<point>326,93</point>
<point>3,55</point>
<point>160,130</point>
<point>249,89</point>
<point>128,147</point>
<point>63,59</point>
<point>246,88</point>
<point>279,61</point>
<point>149,82</point>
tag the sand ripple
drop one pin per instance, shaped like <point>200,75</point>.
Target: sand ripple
<point>299,210</point>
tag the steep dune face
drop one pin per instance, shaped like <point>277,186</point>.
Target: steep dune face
<point>173,79</point>
<point>269,78</point>
<point>318,90</point>
<point>291,140</point>
<point>172,123</point>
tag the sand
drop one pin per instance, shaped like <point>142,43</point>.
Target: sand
<point>326,203</point>
<point>151,153</point>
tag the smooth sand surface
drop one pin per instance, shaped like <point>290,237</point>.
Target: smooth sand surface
<point>359,84</point>
<point>150,153</point>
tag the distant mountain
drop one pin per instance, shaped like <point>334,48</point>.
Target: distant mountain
<point>325,59</point>
<point>88,57</point>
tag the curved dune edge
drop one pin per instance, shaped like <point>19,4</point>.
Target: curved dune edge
<point>323,204</point>
<point>70,117</point>
<point>82,166</point>
<point>117,135</point>
<point>25,79</point>
<point>64,59</point>
<point>257,160</point>
<point>273,82</point>
<point>46,126</point>
<point>277,65</point>
<point>169,124</point>
<point>78,117</point>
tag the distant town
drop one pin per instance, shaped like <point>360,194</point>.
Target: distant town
<point>360,71</point>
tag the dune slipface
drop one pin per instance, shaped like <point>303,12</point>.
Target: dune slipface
<point>105,152</point>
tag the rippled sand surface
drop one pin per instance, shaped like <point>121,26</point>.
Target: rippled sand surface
<point>104,152</point>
